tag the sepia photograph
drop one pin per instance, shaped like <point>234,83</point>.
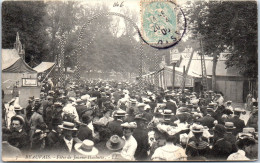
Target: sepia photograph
<point>129,80</point>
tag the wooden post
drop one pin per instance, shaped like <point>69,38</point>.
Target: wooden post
<point>184,79</point>
<point>173,74</point>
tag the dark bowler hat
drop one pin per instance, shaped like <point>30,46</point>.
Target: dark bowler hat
<point>220,129</point>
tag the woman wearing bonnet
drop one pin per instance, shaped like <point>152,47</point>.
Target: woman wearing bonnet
<point>170,151</point>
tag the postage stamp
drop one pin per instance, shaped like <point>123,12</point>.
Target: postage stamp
<point>160,23</point>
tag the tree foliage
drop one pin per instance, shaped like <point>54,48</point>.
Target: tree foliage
<point>25,17</point>
<point>228,26</point>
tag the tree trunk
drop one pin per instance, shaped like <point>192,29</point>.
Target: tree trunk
<point>215,60</point>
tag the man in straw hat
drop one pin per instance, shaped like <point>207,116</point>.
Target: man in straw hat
<point>86,148</point>
<point>66,143</point>
<point>238,123</point>
<point>130,146</point>
<point>229,136</point>
<point>115,125</point>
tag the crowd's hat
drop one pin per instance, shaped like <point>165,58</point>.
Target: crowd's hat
<point>68,126</point>
<point>140,117</point>
<point>210,109</point>
<point>115,143</point>
<point>41,93</point>
<point>229,125</point>
<point>141,105</point>
<point>85,97</point>
<point>170,130</point>
<point>19,118</point>
<point>210,91</point>
<point>220,129</point>
<point>57,104</point>
<point>37,99</point>
<point>183,109</point>
<point>146,100</point>
<point>120,113</point>
<point>133,100</point>
<point>72,99</point>
<point>79,100</point>
<point>99,123</point>
<point>51,92</point>
<point>147,107</point>
<point>167,112</point>
<point>86,148</point>
<point>248,130</point>
<point>238,110</point>
<point>197,128</point>
<point>92,98</point>
<point>131,125</point>
<point>17,107</point>
<point>49,97</point>
<point>229,102</point>
<point>212,105</point>
<point>161,105</point>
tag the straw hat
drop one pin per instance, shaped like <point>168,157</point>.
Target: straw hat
<point>140,117</point>
<point>17,107</point>
<point>86,148</point>
<point>229,125</point>
<point>129,125</point>
<point>120,113</point>
<point>197,129</point>
<point>68,126</point>
<point>115,143</point>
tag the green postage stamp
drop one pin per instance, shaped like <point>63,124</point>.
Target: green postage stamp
<point>159,22</point>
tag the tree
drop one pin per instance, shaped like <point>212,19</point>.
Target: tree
<point>25,17</point>
<point>228,26</point>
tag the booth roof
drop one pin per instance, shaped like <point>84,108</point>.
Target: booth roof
<point>12,62</point>
<point>44,66</point>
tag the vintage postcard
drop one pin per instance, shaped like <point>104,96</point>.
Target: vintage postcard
<point>129,80</point>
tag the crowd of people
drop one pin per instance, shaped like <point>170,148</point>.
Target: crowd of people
<point>119,121</point>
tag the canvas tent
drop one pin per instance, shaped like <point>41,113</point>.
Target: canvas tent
<point>14,69</point>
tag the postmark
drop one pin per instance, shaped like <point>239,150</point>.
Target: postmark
<point>163,23</point>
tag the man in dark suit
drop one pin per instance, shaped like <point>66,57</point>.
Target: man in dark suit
<point>84,131</point>
<point>208,120</point>
<point>115,125</point>
<point>229,136</point>
<point>221,148</point>
<point>66,142</point>
<point>54,134</point>
<point>238,123</point>
<point>170,105</point>
<point>141,136</point>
